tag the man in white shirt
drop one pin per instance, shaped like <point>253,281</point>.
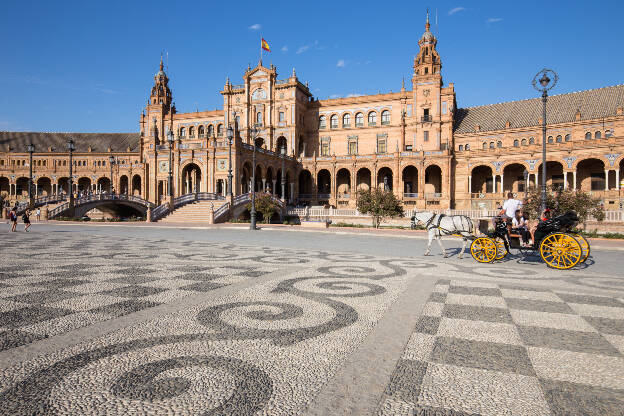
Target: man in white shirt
<point>510,207</point>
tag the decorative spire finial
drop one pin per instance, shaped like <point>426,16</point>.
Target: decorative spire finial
<point>427,25</point>
<point>403,85</point>
<point>294,74</point>
<point>161,61</point>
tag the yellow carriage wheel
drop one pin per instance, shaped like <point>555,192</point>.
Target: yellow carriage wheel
<point>501,250</point>
<point>585,249</point>
<point>560,251</point>
<point>483,250</point>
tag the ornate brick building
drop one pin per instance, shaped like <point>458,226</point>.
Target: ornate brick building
<point>416,142</point>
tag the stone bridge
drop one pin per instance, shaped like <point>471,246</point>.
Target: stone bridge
<point>85,204</point>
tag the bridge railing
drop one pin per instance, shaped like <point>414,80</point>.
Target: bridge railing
<point>221,211</point>
<point>160,211</point>
<point>57,211</point>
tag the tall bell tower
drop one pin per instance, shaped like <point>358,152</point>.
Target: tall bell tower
<point>430,103</point>
<point>159,106</point>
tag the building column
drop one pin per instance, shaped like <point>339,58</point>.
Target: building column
<point>470,185</point>
<point>606,188</point>
<point>263,184</point>
<point>494,184</point>
<point>617,179</point>
<point>274,187</point>
<point>292,192</point>
<point>502,188</point>
<point>574,179</point>
<point>565,180</point>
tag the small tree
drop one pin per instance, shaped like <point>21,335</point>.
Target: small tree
<point>380,204</point>
<point>265,205</point>
<point>563,200</point>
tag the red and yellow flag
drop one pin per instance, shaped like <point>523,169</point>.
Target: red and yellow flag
<point>265,45</point>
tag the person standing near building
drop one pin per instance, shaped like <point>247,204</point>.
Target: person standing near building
<point>13,219</point>
<point>38,214</point>
<point>26,219</point>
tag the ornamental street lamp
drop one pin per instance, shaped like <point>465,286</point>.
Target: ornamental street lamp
<point>31,200</point>
<point>111,162</point>
<point>283,153</point>
<point>230,137</point>
<point>170,177</point>
<point>543,84</point>
<point>254,135</point>
<point>71,147</point>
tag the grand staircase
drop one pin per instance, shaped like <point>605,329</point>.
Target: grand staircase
<point>193,213</point>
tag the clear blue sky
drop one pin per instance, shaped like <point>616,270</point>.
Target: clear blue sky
<point>88,66</point>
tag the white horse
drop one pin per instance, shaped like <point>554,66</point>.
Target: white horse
<point>438,225</point>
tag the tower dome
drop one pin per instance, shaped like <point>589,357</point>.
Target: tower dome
<point>427,36</point>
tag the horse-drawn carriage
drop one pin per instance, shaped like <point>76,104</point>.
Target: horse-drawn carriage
<point>557,244</point>
<point>555,241</point>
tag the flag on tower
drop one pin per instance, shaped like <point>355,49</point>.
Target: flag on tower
<point>265,45</point>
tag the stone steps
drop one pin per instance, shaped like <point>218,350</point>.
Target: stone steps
<point>193,213</point>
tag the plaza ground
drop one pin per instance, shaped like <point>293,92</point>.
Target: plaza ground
<point>118,319</point>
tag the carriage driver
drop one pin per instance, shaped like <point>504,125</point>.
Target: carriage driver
<point>510,206</point>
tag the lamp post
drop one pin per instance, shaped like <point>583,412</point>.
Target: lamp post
<point>170,177</point>
<point>543,82</point>
<point>31,200</point>
<point>254,135</point>
<point>111,162</point>
<point>71,147</point>
<point>230,137</point>
<point>283,153</point>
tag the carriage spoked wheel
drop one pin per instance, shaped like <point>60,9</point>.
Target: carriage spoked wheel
<point>483,250</point>
<point>501,250</point>
<point>560,251</point>
<point>585,249</point>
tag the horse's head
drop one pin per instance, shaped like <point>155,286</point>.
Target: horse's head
<point>422,217</point>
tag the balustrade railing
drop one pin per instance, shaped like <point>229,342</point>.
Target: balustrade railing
<point>222,210</point>
<point>160,211</point>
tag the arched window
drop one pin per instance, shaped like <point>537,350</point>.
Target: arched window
<point>385,117</point>
<point>550,139</point>
<point>608,134</point>
<point>500,144</point>
<point>484,145</point>
<point>531,140</point>
<point>597,135</point>
<point>220,130</point>
<point>191,131</point>
<point>559,139</point>
<point>322,122</point>
<point>516,143</point>
<point>200,131</point>
<point>259,118</point>
<point>491,145</point>
<point>588,136</point>
<point>567,137</point>
<point>372,118</point>
<point>210,130</point>
<point>346,120</point>
<point>461,147</point>
<point>524,142</point>
<point>467,146</point>
<point>333,122</point>
<point>182,132</point>
<point>359,120</point>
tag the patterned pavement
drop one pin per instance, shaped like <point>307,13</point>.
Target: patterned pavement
<point>91,324</point>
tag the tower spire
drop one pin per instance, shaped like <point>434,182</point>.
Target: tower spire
<point>161,62</point>
<point>427,25</point>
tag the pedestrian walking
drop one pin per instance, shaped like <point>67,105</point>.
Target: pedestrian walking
<point>38,214</point>
<point>26,219</point>
<point>13,219</point>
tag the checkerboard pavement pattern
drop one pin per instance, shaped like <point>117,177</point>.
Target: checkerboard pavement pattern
<point>42,299</point>
<point>498,349</point>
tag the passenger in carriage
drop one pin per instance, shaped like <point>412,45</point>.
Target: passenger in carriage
<point>546,215</point>
<point>520,226</point>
